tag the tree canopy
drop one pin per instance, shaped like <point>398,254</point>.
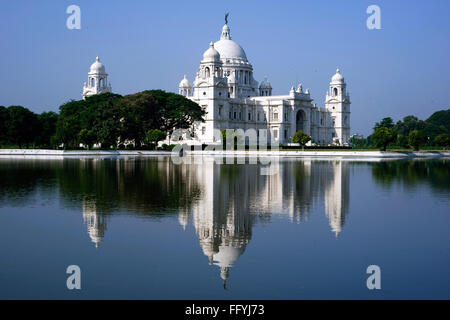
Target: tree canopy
<point>301,138</point>
<point>22,126</point>
<point>382,137</point>
<point>408,132</point>
<point>111,119</point>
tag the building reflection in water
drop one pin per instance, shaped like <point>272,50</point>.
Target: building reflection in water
<point>234,196</point>
<point>95,222</point>
<point>226,200</point>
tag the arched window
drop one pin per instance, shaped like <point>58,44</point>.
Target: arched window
<point>300,120</point>
<point>335,91</point>
<point>207,73</point>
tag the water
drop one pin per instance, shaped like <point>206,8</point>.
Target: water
<point>145,228</point>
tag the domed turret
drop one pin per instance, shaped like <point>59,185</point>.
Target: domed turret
<point>265,88</point>
<point>337,78</point>
<point>97,67</point>
<point>211,54</point>
<point>185,87</point>
<point>97,80</point>
<point>185,83</point>
<point>265,84</point>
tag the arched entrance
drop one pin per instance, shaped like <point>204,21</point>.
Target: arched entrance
<point>300,121</point>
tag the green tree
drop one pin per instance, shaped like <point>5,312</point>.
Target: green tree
<point>358,142</point>
<point>442,140</point>
<point>47,126</point>
<point>384,123</point>
<point>382,137</point>
<point>22,126</point>
<point>402,141</point>
<point>153,136</point>
<point>99,113</point>
<point>180,113</point>
<point>416,139</point>
<point>140,113</point>
<point>86,137</point>
<point>69,123</point>
<point>157,109</point>
<point>440,119</point>
<point>3,127</point>
<point>108,125</point>
<point>301,138</point>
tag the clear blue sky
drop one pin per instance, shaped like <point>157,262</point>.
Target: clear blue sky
<point>402,69</point>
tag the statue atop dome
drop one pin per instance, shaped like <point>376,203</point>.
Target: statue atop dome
<point>226,17</point>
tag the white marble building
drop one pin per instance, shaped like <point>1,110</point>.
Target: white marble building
<point>225,87</point>
<point>97,80</point>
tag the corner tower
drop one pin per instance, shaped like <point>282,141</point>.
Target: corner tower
<point>337,103</point>
<point>97,80</point>
<point>210,92</point>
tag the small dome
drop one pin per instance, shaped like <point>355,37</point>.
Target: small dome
<point>97,67</point>
<point>337,78</point>
<point>185,83</point>
<point>265,84</point>
<point>211,53</point>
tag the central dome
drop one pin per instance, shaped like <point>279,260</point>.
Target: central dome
<point>229,49</point>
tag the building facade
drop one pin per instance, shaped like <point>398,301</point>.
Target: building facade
<point>225,88</point>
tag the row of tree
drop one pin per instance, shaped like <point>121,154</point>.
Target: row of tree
<point>108,120</point>
<point>21,127</point>
<point>409,133</point>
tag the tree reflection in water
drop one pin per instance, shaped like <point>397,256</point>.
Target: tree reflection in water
<point>410,173</point>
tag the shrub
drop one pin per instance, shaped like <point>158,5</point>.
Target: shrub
<point>301,138</point>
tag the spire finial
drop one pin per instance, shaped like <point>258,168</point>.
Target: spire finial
<point>338,71</point>
<point>226,30</point>
<point>97,58</point>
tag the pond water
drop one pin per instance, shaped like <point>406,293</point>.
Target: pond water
<point>147,228</point>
